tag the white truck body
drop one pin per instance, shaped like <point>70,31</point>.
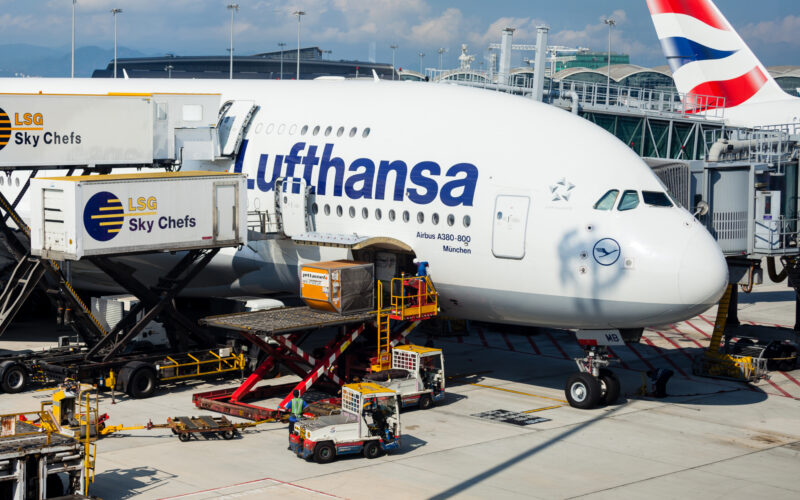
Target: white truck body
<point>79,216</point>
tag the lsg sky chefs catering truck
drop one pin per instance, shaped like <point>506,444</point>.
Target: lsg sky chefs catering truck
<point>99,218</point>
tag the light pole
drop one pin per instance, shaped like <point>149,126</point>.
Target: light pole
<point>611,23</point>
<point>394,49</point>
<point>281,45</point>
<point>115,12</point>
<point>441,51</point>
<point>72,70</point>
<point>233,7</point>
<point>421,55</point>
<point>168,68</point>
<point>299,14</point>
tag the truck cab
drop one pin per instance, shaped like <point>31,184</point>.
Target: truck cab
<point>417,375</point>
<point>369,423</point>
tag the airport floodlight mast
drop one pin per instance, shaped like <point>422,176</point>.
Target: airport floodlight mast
<point>421,55</point>
<point>72,67</point>
<point>115,12</point>
<point>233,7</point>
<point>168,68</point>
<point>611,23</point>
<point>441,51</point>
<point>394,49</point>
<point>299,14</point>
<point>281,45</point>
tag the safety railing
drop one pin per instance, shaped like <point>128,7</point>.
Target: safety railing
<point>172,369</point>
<point>598,95</point>
<point>262,221</point>
<point>413,298</point>
<point>776,237</point>
<point>42,420</point>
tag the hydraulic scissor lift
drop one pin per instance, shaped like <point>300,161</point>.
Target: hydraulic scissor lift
<point>412,300</point>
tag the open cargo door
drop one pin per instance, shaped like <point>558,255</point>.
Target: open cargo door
<point>234,118</point>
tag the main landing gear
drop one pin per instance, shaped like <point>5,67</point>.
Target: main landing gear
<point>595,384</point>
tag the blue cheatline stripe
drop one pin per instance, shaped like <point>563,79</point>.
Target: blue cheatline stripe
<point>680,51</point>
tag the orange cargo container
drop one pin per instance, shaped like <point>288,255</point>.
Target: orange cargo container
<point>342,286</point>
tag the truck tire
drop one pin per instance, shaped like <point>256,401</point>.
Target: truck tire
<point>582,391</point>
<point>324,452</point>
<point>610,383</point>
<point>14,378</point>
<point>372,449</point>
<point>142,383</point>
<point>425,402</point>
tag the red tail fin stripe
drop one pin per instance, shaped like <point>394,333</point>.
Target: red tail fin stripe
<point>702,10</point>
<point>735,91</point>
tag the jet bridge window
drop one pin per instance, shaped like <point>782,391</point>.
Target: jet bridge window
<point>607,201</point>
<point>656,199</point>
<point>629,201</point>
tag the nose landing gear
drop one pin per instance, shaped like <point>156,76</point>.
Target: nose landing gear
<point>595,384</point>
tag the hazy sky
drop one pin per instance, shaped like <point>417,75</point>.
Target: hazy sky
<point>355,29</point>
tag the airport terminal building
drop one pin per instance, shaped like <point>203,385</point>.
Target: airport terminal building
<point>257,66</point>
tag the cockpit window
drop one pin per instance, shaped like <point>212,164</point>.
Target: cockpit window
<point>629,201</point>
<point>656,199</point>
<point>607,201</point>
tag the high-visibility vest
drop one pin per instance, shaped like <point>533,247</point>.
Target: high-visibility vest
<point>297,407</point>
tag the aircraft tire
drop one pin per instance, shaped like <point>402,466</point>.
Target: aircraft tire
<point>582,391</point>
<point>610,387</point>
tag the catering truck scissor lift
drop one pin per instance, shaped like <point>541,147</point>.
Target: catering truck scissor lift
<point>97,218</point>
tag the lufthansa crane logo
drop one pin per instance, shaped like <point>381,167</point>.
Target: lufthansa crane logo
<point>606,251</point>
<point>103,216</point>
<point>5,129</point>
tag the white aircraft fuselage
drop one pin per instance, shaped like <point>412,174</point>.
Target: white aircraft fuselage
<point>524,175</point>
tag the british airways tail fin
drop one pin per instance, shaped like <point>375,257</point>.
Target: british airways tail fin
<point>708,57</point>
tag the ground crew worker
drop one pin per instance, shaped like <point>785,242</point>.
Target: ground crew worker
<point>659,378</point>
<point>296,408</point>
<point>422,267</point>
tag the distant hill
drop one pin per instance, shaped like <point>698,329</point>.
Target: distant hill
<point>32,60</point>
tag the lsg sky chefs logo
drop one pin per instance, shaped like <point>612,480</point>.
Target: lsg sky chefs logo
<point>104,216</point>
<point>28,130</point>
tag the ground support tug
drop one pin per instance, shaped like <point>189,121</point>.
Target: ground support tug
<point>369,423</point>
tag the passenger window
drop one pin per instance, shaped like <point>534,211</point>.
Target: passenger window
<point>420,217</point>
<point>353,132</point>
<point>406,216</point>
<point>391,214</point>
<point>467,221</point>
<point>304,130</point>
<point>339,210</point>
<point>327,209</point>
<point>435,219</point>
<point>656,199</point>
<point>364,213</point>
<point>629,201</point>
<point>316,130</point>
<point>365,133</point>
<point>352,212</point>
<point>378,213</point>
<point>451,219</point>
<point>607,201</point>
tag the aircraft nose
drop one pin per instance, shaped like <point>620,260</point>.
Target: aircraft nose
<point>703,273</point>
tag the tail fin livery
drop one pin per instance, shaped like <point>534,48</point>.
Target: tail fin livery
<point>708,57</point>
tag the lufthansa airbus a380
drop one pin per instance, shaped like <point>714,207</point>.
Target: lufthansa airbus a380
<point>526,214</point>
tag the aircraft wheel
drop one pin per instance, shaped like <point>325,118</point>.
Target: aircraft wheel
<point>582,391</point>
<point>324,453</point>
<point>609,387</point>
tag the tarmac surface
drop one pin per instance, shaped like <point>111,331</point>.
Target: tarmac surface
<point>710,438</point>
